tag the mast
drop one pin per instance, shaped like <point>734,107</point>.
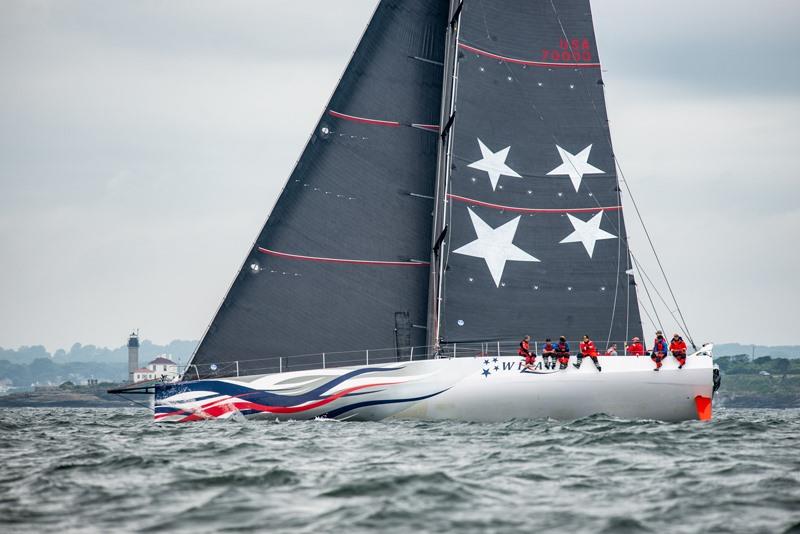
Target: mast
<point>447,119</point>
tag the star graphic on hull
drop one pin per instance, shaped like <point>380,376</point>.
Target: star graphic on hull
<point>494,163</point>
<point>587,232</point>
<point>575,165</point>
<point>494,245</point>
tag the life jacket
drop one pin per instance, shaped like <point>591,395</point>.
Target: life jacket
<point>678,346</point>
<point>588,348</point>
<point>524,348</point>
<point>562,347</point>
<point>660,346</point>
<point>636,349</point>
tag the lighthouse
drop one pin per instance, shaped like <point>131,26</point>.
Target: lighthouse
<point>133,355</point>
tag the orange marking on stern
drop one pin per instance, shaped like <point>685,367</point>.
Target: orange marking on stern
<point>703,405</point>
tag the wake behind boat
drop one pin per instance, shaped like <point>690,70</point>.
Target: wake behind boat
<point>460,185</point>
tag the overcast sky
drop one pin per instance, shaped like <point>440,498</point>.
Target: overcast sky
<point>142,144</point>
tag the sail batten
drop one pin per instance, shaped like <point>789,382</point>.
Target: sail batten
<point>527,62</point>
<point>287,255</point>
<point>519,209</point>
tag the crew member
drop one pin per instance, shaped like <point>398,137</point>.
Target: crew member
<point>678,349</point>
<point>612,350</point>
<point>635,348</point>
<point>660,350</point>
<point>548,354</point>
<point>525,352</point>
<point>562,352</point>
<point>587,348</point>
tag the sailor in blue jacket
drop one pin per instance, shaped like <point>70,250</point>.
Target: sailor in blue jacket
<point>562,352</point>
<point>660,350</point>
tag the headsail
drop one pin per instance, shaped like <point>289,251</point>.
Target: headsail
<point>536,241</point>
<point>346,246</point>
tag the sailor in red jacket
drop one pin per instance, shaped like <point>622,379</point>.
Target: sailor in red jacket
<point>562,352</point>
<point>635,348</point>
<point>660,349</point>
<point>525,352</point>
<point>678,349</point>
<point>549,352</point>
<point>587,348</point>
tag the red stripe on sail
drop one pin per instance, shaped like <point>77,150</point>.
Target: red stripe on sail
<point>531,210</point>
<point>526,61</point>
<point>286,255</point>
<point>363,120</point>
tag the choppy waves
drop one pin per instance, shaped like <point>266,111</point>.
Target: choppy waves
<point>111,470</point>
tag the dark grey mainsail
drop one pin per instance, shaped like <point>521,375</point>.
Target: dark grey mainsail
<point>343,258</point>
<point>535,239</point>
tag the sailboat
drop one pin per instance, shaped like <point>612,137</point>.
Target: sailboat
<point>458,192</point>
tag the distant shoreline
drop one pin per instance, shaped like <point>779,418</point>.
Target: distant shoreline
<point>28,403</point>
<point>70,396</point>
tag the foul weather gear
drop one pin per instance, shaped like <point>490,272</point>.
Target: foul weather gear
<point>549,352</point>
<point>635,349</point>
<point>562,352</point>
<point>678,349</point>
<point>587,348</point>
<point>525,352</point>
<point>659,351</point>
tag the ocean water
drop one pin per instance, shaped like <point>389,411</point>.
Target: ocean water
<point>111,470</point>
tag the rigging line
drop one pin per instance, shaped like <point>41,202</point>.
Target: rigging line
<point>658,260</point>
<point>616,284</point>
<point>647,313</point>
<point>627,292</point>
<point>655,311</point>
<point>603,126</point>
<point>627,187</point>
<point>663,301</point>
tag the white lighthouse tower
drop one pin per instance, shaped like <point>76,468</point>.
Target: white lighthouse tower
<point>133,355</point>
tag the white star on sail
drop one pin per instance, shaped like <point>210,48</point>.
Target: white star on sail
<point>495,246</point>
<point>494,163</point>
<point>588,232</point>
<point>575,165</point>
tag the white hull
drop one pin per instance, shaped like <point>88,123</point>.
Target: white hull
<point>466,389</point>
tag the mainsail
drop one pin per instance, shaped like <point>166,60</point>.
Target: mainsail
<point>342,261</point>
<point>535,239</point>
